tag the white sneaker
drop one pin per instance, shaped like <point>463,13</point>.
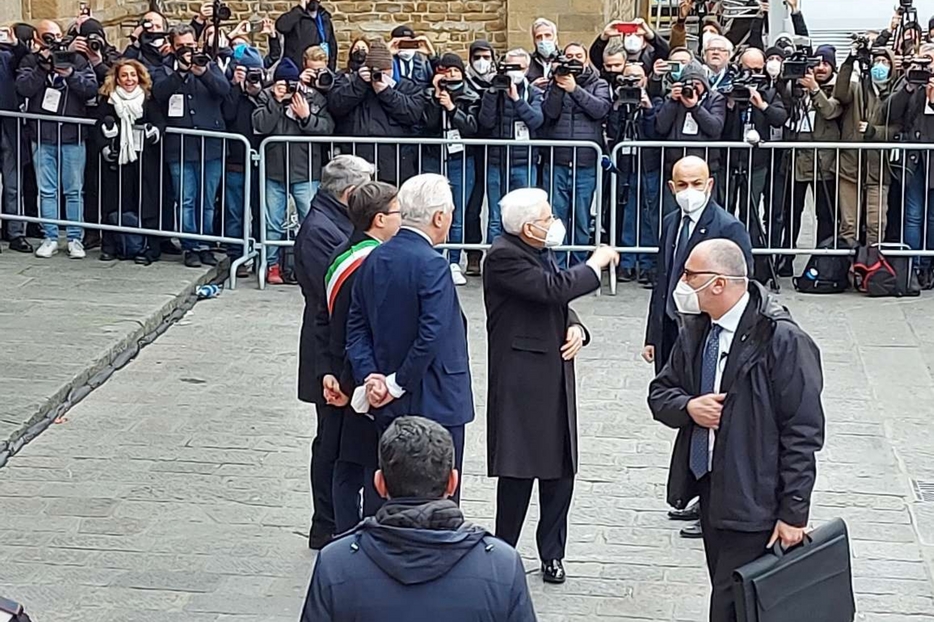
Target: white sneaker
<point>76,250</point>
<point>48,248</point>
<point>458,275</point>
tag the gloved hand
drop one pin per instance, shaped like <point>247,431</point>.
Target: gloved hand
<point>110,155</point>
<point>152,134</point>
<point>109,128</point>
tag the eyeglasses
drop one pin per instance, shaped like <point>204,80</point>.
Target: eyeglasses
<point>391,212</point>
<point>689,274</point>
<point>717,50</point>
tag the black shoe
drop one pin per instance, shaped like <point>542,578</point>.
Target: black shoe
<point>786,267</point>
<point>92,240</point>
<point>192,260</point>
<point>553,571</point>
<point>626,275</point>
<point>473,263</point>
<point>105,256</point>
<point>317,541</point>
<point>692,531</point>
<point>207,258</point>
<point>647,277</point>
<point>142,260</point>
<point>691,512</point>
<point>168,247</point>
<point>21,245</point>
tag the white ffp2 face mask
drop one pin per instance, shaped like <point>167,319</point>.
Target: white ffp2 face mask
<point>554,235</point>
<point>773,68</point>
<point>686,300</point>
<point>690,200</point>
<point>406,55</point>
<point>633,43</point>
<point>482,66</point>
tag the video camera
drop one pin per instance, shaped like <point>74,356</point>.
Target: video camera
<point>796,66</point>
<point>627,90</point>
<point>149,33</point>
<point>501,81</point>
<point>919,71</point>
<point>222,12</point>
<point>565,66</point>
<point>744,80</point>
<point>62,57</point>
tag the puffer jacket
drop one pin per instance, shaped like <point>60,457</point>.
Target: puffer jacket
<point>32,81</point>
<point>709,115</point>
<point>827,111</point>
<point>271,119</point>
<point>497,119</point>
<point>874,165</point>
<point>578,115</point>
<point>204,98</point>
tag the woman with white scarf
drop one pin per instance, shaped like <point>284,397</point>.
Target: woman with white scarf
<point>128,131</point>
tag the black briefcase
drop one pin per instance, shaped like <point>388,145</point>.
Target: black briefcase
<point>812,581</point>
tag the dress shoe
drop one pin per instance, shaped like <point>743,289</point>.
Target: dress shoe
<point>105,256</point>
<point>92,240</point>
<point>142,260</point>
<point>786,267</point>
<point>626,275</point>
<point>647,277</point>
<point>207,258</point>
<point>553,571</point>
<point>168,247</point>
<point>692,531</point>
<point>21,245</point>
<point>192,260</point>
<point>473,263</point>
<point>691,512</point>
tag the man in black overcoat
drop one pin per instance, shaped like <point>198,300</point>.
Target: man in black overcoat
<point>534,337</point>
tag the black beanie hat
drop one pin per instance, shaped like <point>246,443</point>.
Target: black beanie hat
<point>452,60</point>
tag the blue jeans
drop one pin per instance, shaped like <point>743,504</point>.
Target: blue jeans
<point>916,194</point>
<point>233,210</point>
<point>196,191</point>
<point>571,191</point>
<point>461,176</point>
<point>646,213</point>
<point>520,176</point>
<point>277,203</point>
<point>66,172</point>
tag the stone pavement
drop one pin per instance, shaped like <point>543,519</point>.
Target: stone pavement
<point>179,490</point>
<point>62,321</point>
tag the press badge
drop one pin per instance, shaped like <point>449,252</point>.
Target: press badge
<point>776,134</point>
<point>626,151</point>
<point>522,131</point>
<point>177,106</point>
<point>690,125</point>
<point>806,124</point>
<point>454,147</point>
<point>51,100</point>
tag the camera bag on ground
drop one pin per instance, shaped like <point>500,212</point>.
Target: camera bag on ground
<point>124,245</point>
<point>879,275</point>
<point>825,274</point>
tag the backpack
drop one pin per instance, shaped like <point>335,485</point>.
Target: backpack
<point>126,245</point>
<point>879,276</point>
<point>825,274</point>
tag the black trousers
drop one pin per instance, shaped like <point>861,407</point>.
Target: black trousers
<point>349,478</point>
<point>554,500</point>
<point>324,451</point>
<point>726,551</point>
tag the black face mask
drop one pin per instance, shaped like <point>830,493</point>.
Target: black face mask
<point>312,6</point>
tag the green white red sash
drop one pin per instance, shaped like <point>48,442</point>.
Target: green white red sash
<point>345,265</point>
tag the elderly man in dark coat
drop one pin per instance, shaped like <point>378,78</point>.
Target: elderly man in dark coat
<point>534,337</point>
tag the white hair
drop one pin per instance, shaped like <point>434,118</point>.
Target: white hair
<point>519,53</point>
<point>721,39</point>
<point>422,196</point>
<point>540,22</point>
<point>520,207</point>
<point>343,172</point>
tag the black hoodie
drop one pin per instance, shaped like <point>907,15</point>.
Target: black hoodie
<point>418,561</point>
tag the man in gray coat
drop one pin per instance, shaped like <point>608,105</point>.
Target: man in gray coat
<point>534,337</point>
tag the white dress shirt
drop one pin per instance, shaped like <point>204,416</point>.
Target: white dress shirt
<point>729,323</point>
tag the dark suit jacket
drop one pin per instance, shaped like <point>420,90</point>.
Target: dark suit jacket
<point>326,227</point>
<point>405,319</point>
<point>715,222</point>
<point>531,401</point>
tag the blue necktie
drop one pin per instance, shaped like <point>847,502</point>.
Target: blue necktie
<point>677,264</point>
<point>700,437</point>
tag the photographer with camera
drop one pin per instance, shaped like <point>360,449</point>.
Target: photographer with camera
<point>691,113</point>
<point>149,42</point>
<point>12,52</point>
<point>545,46</point>
<point>642,44</point>
<point>413,56</point>
<point>665,73</point>
<point>755,113</point>
<point>91,42</point>
<point>291,107</point>
<point>865,176</point>
<point>371,103</point>
<point>306,25</point>
<point>636,170</point>
<point>576,104</point>
<point>192,92</point>
<point>56,82</point>
<point>912,107</point>
<point>511,109</point>
<point>451,113</point>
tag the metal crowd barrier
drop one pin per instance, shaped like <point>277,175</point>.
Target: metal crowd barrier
<point>104,208</point>
<point>575,189</point>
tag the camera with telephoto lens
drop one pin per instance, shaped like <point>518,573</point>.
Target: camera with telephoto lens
<point>796,66</point>
<point>744,80</point>
<point>96,43</point>
<point>291,87</point>
<point>254,76</point>
<point>221,11</point>
<point>200,59</point>
<point>919,71</point>
<point>565,66</point>
<point>376,75</point>
<point>627,90</point>
<point>324,80</point>
<point>501,81</point>
<point>687,92</point>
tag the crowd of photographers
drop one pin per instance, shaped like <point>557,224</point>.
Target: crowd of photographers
<point>630,84</point>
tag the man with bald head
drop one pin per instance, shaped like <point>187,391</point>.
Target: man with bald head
<point>753,120</point>
<point>743,389</point>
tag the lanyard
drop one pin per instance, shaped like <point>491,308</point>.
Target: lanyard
<point>322,35</point>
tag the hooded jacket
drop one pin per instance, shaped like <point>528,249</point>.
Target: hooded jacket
<point>578,115</point>
<point>302,31</point>
<point>708,116</point>
<point>498,116</point>
<point>771,426</point>
<point>418,561</point>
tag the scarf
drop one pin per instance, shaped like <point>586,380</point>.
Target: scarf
<point>440,514</point>
<point>129,109</point>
